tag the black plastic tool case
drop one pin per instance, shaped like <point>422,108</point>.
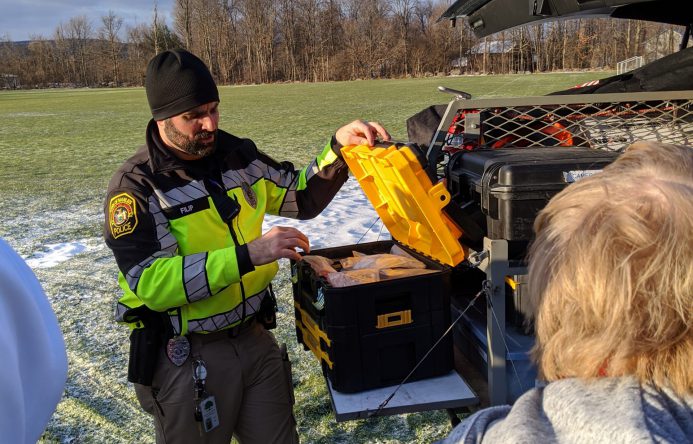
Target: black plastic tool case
<point>510,186</point>
<point>373,335</point>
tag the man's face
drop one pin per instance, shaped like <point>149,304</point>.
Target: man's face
<point>192,134</point>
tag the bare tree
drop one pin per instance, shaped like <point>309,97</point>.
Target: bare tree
<point>260,41</point>
<point>290,37</point>
<point>182,21</point>
<point>139,51</point>
<point>155,29</point>
<point>109,31</point>
<point>403,11</point>
<point>42,58</point>
<point>258,31</point>
<point>72,41</point>
<point>230,53</point>
<point>368,38</point>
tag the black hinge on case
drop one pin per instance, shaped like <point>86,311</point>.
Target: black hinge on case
<point>414,148</point>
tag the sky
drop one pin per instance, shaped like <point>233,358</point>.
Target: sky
<point>349,219</point>
<point>21,19</point>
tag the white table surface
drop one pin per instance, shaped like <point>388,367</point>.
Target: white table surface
<point>442,392</point>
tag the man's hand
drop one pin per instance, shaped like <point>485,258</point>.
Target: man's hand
<point>360,132</point>
<point>277,243</point>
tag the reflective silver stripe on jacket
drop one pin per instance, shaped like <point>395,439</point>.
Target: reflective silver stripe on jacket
<point>256,171</point>
<point>222,320</point>
<point>120,312</point>
<point>312,169</point>
<point>175,323</point>
<point>195,277</point>
<point>167,241</point>
<point>283,179</point>
<point>178,196</point>
<point>289,207</point>
<point>250,174</point>
<point>134,273</point>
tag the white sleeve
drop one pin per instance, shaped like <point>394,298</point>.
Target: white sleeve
<point>34,367</point>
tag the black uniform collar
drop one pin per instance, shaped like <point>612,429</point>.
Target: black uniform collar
<point>162,159</point>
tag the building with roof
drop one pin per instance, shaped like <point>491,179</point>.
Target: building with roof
<point>489,56</point>
<point>9,81</point>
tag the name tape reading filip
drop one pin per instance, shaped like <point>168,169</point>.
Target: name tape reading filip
<point>574,176</point>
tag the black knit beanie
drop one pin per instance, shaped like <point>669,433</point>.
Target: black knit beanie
<point>176,82</point>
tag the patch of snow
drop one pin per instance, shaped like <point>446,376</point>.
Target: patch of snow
<point>53,254</point>
<point>348,219</point>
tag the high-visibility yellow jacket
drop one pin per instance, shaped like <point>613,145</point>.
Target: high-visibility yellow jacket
<point>175,252</point>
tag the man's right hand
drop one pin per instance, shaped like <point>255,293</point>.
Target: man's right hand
<point>277,243</point>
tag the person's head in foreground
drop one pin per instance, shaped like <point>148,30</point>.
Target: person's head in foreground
<point>611,282</point>
<point>611,272</point>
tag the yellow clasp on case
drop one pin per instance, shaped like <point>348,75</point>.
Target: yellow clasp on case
<point>394,319</point>
<point>312,334</point>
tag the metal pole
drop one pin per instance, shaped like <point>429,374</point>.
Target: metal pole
<point>496,270</point>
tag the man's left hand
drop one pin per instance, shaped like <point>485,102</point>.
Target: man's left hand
<point>360,132</point>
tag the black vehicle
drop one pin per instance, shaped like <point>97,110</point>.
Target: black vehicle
<point>503,159</point>
<point>487,17</point>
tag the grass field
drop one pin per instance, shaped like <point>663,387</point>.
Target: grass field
<point>60,147</point>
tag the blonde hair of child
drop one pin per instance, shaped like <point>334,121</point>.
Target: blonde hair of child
<point>611,272</point>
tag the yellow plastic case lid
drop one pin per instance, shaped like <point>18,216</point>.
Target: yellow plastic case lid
<point>409,205</point>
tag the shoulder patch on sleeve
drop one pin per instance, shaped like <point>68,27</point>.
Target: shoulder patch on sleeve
<point>122,215</point>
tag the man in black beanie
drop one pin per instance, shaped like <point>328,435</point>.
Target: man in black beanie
<point>184,219</point>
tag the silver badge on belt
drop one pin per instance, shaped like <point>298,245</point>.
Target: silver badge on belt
<point>178,350</point>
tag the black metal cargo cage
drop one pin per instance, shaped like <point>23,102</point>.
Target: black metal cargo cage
<point>597,121</point>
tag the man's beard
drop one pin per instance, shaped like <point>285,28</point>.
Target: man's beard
<point>195,146</point>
